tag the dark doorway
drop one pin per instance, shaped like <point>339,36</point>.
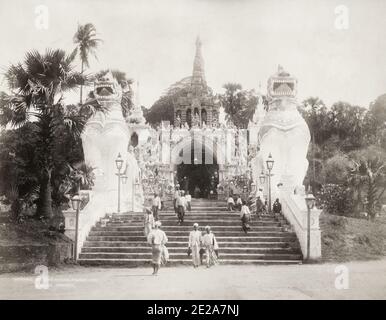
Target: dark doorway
<point>134,139</point>
<point>203,116</point>
<point>189,117</point>
<point>198,178</point>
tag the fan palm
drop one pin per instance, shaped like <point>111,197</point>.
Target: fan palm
<point>37,86</point>
<point>87,43</point>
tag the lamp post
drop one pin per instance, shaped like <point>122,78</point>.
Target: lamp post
<point>119,164</point>
<point>163,183</point>
<point>270,163</point>
<point>262,178</point>
<point>253,187</point>
<point>310,202</point>
<point>75,201</point>
<point>135,184</point>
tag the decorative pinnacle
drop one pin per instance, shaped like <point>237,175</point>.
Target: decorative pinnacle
<point>198,42</point>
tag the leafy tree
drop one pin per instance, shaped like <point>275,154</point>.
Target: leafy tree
<point>336,199</point>
<point>239,104</point>
<point>315,113</point>
<point>347,124</point>
<point>163,108</point>
<point>87,43</point>
<point>369,173</point>
<point>18,179</point>
<point>37,86</point>
<point>378,110</point>
<point>336,169</point>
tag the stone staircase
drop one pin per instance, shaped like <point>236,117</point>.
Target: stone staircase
<point>121,242</point>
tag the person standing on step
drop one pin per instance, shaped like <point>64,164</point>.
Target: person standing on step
<point>230,203</point>
<point>188,199</point>
<point>156,205</point>
<point>209,242</point>
<point>176,195</point>
<point>276,208</point>
<point>259,206</point>
<point>148,221</point>
<point>260,193</point>
<point>245,216</point>
<point>265,208</point>
<point>239,203</point>
<point>195,239</point>
<point>157,239</point>
<point>184,204</point>
<point>180,208</point>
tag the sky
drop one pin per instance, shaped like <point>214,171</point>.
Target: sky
<point>336,55</point>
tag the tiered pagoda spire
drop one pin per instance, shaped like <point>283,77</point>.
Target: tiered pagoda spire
<point>198,78</point>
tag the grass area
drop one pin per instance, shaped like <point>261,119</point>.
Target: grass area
<point>30,231</point>
<point>349,239</point>
<point>25,245</point>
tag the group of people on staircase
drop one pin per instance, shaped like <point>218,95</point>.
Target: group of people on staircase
<point>261,208</point>
<point>199,243</point>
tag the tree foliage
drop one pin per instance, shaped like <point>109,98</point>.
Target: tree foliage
<point>163,108</point>
<point>238,104</point>
<point>348,143</point>
<point>35,107</point>
<point>87,43</point>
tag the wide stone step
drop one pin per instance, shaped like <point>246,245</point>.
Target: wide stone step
<point>120,241</point>
<point>246,238</point>
<point>194,215</point>
<point>240,256</point>
<point>183,250</point>
<point>184,228</point>
<point>182,233</point>
<point>223,244</point>
<point>189,222</point>
<point>174,262</point>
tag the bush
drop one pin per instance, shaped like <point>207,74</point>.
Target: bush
<point>336,199</point>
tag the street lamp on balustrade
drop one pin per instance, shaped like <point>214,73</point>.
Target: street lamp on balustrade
<point>119,164</point>
<point>75,202</point>
<point>253,187</point>
<point>310,202</point>
<point>269,163</point>
<point>262,178</point>
<point>135,185</point>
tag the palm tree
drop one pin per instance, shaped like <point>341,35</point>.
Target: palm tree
<point>86,43</point>
<point>37,86</point>
<point>369,173</point>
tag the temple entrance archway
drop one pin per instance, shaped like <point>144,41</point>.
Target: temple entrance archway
<point>196,168</point>
<point>198,179</point>
<point>134,139</point>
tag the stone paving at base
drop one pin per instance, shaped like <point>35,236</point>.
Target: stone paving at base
<point>367,280</point>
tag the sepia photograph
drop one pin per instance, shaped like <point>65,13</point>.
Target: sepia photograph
<point>198,151</point>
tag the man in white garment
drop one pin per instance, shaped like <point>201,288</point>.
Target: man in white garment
<point>231,203</point>
<point>188,198</point>
<point>156,205</point>
<point>195,239</point>
<point>260,194</point>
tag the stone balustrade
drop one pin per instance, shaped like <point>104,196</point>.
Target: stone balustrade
<point>294,209</point>
<point>91,213</point>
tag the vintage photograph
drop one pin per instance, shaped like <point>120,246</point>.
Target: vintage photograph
<point>192,150</point>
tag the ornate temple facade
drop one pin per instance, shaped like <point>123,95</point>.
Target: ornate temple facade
<point>199,154</point>
<point>197,107</point>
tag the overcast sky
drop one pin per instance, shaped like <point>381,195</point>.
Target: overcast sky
<point>243,41</point>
